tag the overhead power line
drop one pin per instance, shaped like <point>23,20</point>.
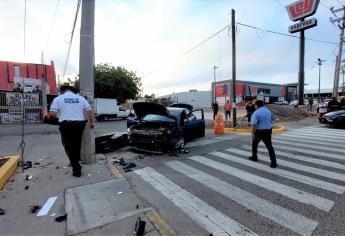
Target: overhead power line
<point>186,52</point>
<point>71,39</point>
<point>52,25</point>
<point>283,34</point>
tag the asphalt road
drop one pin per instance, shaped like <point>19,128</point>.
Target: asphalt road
<point>32,129</point>
<point>216,189</point>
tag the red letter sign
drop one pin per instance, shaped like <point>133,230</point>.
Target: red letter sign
<point>302,9</point>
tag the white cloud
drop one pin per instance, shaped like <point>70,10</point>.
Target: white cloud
<point>143,35</point>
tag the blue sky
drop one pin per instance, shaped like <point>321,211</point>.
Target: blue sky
<point>145,34</point>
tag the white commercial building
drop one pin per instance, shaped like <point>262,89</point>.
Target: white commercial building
<point>199,99</point>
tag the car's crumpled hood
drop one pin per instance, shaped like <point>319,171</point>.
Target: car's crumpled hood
<point>142,109</point>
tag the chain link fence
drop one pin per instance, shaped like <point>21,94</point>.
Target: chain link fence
<point>15,106</point>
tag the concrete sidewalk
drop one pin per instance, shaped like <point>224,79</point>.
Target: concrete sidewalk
<point>52,177</point>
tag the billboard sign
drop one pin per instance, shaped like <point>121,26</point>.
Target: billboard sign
<point>28,85</point>
<point>25,99</point>
<point>222,90</point>
<point>303,25</point>
<point>302,9</point>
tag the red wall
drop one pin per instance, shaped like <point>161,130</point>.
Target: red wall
<point>28,70</point>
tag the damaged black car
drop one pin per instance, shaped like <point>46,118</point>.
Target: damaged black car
<point>156,128</point>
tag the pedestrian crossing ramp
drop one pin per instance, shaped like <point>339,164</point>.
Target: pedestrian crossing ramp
<point>252,198</point>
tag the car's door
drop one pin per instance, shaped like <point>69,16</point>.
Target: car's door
<point>196,124</point>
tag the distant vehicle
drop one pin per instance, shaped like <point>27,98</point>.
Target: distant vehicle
<point>156,128</point>
<point>281,103</point>
<point>106,109</point>
<point>336,118</point>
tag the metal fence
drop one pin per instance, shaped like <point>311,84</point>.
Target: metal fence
<point>15,106</point>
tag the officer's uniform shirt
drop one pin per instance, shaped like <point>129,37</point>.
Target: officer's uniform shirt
<point>262,118</point>
<point>70,107</point>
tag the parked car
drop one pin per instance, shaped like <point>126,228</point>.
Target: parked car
<point>156,128</point>
<point>336,118</point>
<point>281,103</point>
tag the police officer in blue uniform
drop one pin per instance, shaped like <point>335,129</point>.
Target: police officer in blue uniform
<point>262,130</point>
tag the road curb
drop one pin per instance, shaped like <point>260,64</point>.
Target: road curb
<point>7,169</point>
<point>279,129</point>
<point>160,224</point>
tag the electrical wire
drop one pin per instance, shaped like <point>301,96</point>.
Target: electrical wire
<point>52,25</point>
<point>71,39</point>
<point>24,48</point>
<point>185,53</point>
<point>284,34</point>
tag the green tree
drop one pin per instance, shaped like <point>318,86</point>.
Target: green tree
<point>115,82</point>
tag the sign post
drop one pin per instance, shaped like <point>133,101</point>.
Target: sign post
<point>299,11</point>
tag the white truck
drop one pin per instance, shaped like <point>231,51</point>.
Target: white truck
<point>106,109</point>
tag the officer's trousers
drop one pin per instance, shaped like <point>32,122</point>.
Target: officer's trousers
<point>265,136</point>
<point>71,136</point>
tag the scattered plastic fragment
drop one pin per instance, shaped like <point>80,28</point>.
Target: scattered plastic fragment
<point>2,212</point>
<point>61,218</point>
<point>35,208</point>
<point>139,229</point>
<point>28,177</point>
<point>26,187</point>
<point>119,193</point>
<point>53,214</point>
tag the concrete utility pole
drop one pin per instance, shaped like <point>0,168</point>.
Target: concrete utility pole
<point>343,88</point>
<point>214,78</point>
<point>319,62</point>
<point>301,68</point>
<point>86,72</point>
<point>233,34</point>
<point>341,25</point>
<point>44,87</point>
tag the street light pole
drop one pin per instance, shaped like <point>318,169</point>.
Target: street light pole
<point>214,77</point>
<point>86,72</point>
<point>319,62</point>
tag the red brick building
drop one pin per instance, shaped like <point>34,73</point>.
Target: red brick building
<point>32,73</point>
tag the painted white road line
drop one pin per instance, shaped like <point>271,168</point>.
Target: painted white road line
<point>287,191</point>
<point>308,137</point>
<point>315,142</point>
<point>318,147</point>
<point>46,207</point>
<point>205,215</point>
<point>318,134</point>
<point>211,141</point>
<point>278,214</point>
<point>283,173</point>
<point>311,152</point>
<point>304,158</point>
<point>324,130</point>
<point>298,137</point>
<point>297,166</point>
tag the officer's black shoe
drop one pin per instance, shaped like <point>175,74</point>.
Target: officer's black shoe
<point>76,173</point>
<point>273,165</point>
<point>253,158</point>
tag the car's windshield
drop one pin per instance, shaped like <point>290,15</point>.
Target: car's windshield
<point>158,118</point>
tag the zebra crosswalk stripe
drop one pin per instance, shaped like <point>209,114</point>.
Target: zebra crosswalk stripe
<point>283,173</point>
<point>311,152</point>
<point>304,158</point>
<point>298,166</point>
<point>290,192</point>
<point>318,134</point>
<point>315,142</point>
<point>308,137</point>
<point>332,149</point>
<point>324,130</point>
<point>278,214</point>
<point>205,215</point>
